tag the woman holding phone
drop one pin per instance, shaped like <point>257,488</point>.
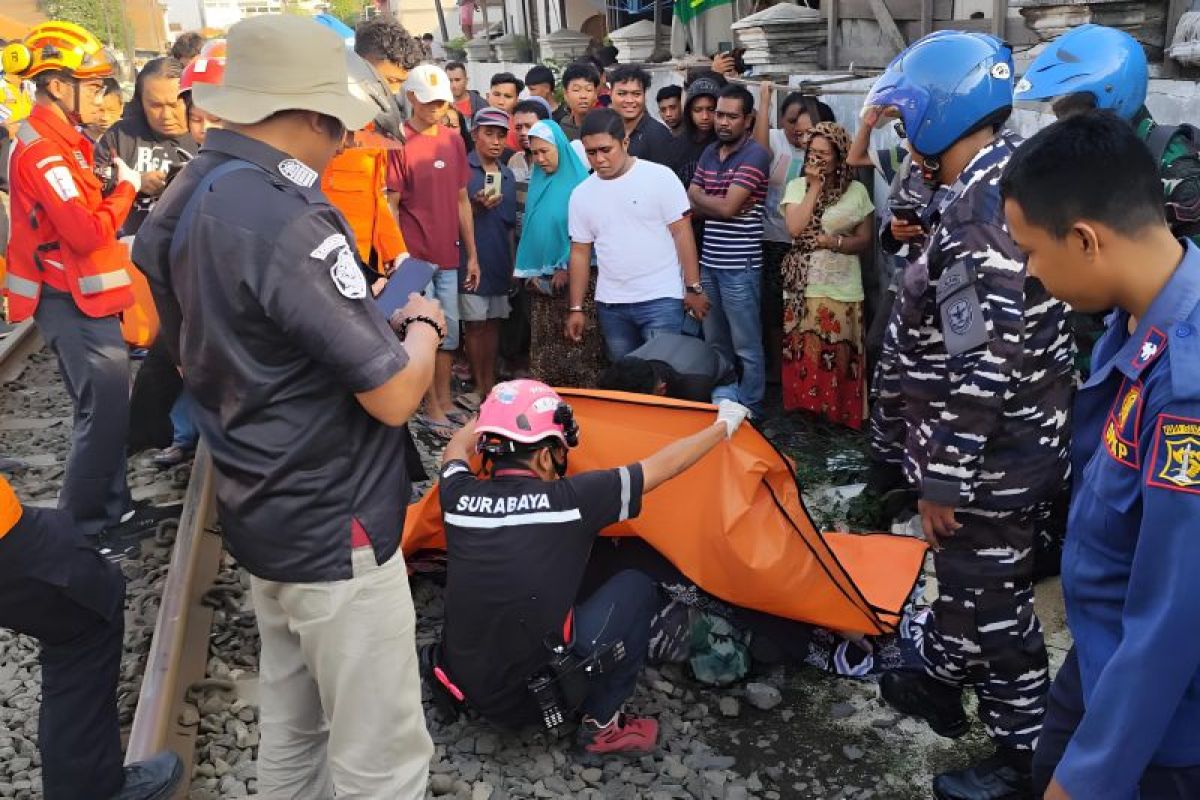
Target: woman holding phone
<point>542,256</point>
<point>829,216</point>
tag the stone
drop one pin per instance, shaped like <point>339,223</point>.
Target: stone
<point>729,707</point>
<point>763,696</point>
<point>482,791</point>
<point>841,710</point>
<point>853,752</point>
<point>592,775</point>
<point>440,784</point>
<point>486,744</point>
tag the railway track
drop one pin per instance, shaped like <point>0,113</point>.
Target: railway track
<point>21,342</point>
<point>179,647</point>
<point>165,717</point>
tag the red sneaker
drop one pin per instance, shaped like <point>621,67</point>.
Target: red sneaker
<point>624,734</point>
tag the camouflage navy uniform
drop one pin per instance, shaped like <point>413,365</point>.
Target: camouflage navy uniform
<point>908,187</point>
<point>983,383</point>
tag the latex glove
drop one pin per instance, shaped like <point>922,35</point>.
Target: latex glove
<point>731,415</point>
<point>126,174</point>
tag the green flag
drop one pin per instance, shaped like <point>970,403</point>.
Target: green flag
<point>688,10</point>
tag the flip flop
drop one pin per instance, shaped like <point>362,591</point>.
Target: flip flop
<point>441,430</point>
<point>469,401</point>
<point>459,418</point>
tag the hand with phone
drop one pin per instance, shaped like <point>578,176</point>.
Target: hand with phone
<point>907,225</point>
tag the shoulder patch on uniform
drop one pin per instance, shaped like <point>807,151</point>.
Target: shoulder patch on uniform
<point>1123,423</point>
<point>346,274</point>
<point>1001,72</point>
<point>1153,343</point>
<point>298,172</point>
<point>62,183</point>
<point>963,325</point>
<point>1175,464</point>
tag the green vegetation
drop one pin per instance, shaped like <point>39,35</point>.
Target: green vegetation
<point>104,18</point>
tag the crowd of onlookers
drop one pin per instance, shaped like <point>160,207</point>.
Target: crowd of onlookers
<point>569,224</point>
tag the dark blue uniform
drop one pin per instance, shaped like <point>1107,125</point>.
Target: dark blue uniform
<point>1128,698</point>
<point>57,588</point>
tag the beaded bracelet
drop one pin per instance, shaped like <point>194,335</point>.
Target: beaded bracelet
<point>403,331</point>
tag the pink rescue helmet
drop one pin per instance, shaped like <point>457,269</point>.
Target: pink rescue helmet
<point>524,412</point>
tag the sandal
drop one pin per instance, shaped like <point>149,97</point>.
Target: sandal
<point>441,430</point>
<point>470,401</point>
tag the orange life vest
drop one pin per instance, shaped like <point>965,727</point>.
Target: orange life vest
<point>10,507</point>
<point>139,322</point>
<point>355,183</point>
<point>64,232</point>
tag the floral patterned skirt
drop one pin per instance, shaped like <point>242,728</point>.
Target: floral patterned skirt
<point>823,360</point>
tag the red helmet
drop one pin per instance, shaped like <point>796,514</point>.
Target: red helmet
<point>524,412</point>
<point>208,67</point>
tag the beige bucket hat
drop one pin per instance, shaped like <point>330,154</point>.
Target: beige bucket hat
<point>283,62</point>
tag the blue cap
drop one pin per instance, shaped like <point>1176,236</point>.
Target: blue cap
<point>1106,63</point>
<point>945,86</point>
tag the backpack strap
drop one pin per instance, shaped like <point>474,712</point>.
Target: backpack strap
<point>188,215</point>
<point>1160,136</point>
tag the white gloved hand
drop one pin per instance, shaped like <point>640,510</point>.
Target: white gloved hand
<point>126,174</point>
<point>731,415</point>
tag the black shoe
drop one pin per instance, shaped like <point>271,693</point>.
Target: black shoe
<point>172,456</point>
<point>1006,775</point>
<point>123,540</point>
<point>152,779</point>
<point>918,695</point>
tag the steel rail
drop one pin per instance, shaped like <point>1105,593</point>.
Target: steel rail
<point>21,342</point>
<point>179,649</point>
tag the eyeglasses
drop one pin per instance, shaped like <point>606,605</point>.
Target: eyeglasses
<point>898,127</point>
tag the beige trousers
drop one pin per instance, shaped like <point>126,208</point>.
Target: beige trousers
<point>339,686</point>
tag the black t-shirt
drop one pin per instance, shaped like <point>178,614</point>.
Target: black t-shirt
<point>653,141</point>
<point>517,547</point>
<point>138,145</point>
<point>267,309</point>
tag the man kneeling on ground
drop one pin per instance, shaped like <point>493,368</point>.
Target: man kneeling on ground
<point>518,541</point>
<point>674,365</point>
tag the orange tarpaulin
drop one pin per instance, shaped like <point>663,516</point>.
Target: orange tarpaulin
<point>734,524</point>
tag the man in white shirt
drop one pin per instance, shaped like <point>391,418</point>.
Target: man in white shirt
<point>637,216</point>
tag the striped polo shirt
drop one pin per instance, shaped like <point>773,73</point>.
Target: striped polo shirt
<point>734,243</point>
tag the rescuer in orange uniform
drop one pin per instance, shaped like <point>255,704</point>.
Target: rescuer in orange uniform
<point>71,600</point>
<point>66,268</point>
<point>356,180</point>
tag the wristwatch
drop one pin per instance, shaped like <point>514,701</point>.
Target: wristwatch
<point>696,288</point>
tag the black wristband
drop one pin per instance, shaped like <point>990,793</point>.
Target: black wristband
<point>403,329</point>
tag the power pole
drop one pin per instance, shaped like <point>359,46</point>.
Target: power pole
<point>441,15</point>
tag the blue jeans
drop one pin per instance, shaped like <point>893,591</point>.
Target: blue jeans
<point>183,420</point>
<point>628,326</point>
<point>620,610</point>
<point>734,326</point>
<point>443,287</point>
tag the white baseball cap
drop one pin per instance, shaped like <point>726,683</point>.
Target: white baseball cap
<point>429,83</point>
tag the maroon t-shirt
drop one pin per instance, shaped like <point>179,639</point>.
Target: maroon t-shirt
<point>428,173</point>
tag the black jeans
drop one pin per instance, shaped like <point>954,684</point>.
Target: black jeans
<point>619,610</point>
<point>1063,715</point>
<point>56,588</point>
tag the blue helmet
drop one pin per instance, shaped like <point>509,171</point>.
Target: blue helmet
<point>945,86</point>
<point>1106,63</point>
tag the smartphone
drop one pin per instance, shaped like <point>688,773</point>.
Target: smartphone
<point>491,183</point>
<point>723,48</point>
<point>910,215</point>
<point>411,277</point>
